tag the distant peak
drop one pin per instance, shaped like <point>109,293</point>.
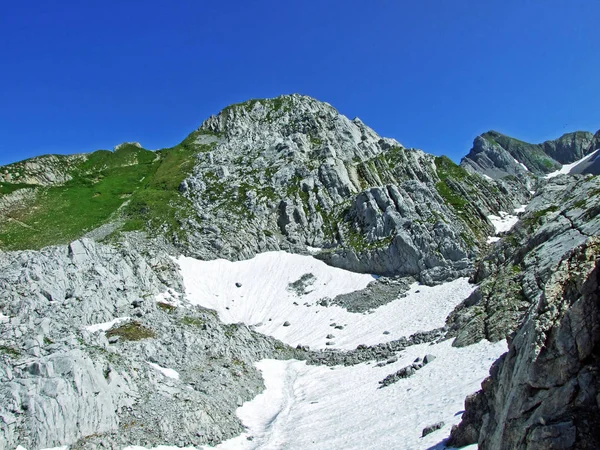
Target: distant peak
<point>124,144</point>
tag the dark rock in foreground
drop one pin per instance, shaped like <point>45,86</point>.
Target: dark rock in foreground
<point>545,392</point>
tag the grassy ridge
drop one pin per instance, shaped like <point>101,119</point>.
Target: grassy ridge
<point>144,184</point>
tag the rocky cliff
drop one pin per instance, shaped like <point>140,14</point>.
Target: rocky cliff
<point>544,393</point>
<point>563,215</point>
<point>539,287</point>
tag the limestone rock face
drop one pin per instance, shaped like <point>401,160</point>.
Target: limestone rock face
<point>562,216</point>
<point>44,170</point>
<point>15,200</point>
<point>62,383</point>
<point>291,172</point>
<point>544,393</point>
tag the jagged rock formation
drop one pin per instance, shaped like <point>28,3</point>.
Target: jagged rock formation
<point>61,383</point>
<point>563,215</point>
<point>545,392</point>
<point>41,171</point>
<point>292,172</point>
<point>540,284</point>
<point>498,156</point>
<point>282,173</point>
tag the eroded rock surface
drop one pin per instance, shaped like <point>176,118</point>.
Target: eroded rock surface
<point>63,383</point>
<point>544,393</point>
<point>562,216</point>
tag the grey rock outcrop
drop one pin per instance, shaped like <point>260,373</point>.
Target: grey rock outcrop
<point>544,393</point>
<point>562,216</point>
<point>64,384</point>
<point>291,172</point>
<point>377,293</point>
<point>407,371</point>
<point>124,144</point>
<point>44,170</point>
<point>15,200</point>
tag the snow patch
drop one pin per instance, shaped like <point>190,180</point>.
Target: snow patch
<point>264,301</point>
<point>566,168</point>
<point>105,326</point>
<point>170,373</point>
<point>504,222</point>
<point>521,164</point>
<point>4,319</point>
<point>313,250</point>
<point>320,407</point>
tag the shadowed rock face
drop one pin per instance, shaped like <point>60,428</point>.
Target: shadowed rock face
<point>545,392</point>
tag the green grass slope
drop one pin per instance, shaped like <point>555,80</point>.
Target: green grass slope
<point>136,186</point>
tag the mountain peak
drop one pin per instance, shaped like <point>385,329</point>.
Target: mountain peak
<point>268,113</point>
<point>127,144</point>
<point>498,155</point>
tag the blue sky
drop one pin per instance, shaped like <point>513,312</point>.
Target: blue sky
<point>80,76</point>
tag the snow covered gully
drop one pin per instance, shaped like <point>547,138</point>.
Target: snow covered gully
<point>319,407</point>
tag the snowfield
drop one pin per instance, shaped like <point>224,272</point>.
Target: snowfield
<point>265,301</point>
<point>316,407</point>
<point>319,407</point>
<point>504,222</point>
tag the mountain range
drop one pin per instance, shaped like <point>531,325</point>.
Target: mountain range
<point>150,296</point>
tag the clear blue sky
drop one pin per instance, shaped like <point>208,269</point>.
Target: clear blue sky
<point>83,75</point>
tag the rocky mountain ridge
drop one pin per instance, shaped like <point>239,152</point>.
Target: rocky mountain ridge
<point>497,155</point>
<point>293,172</point>
<point>283,173</point>
<point>288,173</point>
